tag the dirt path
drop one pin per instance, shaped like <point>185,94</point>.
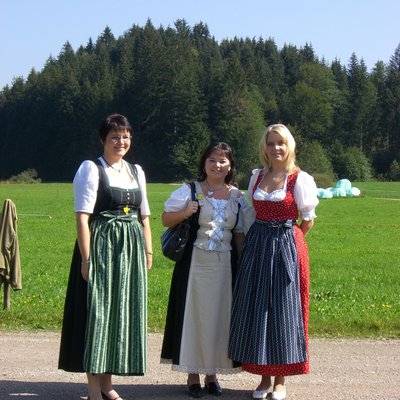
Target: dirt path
<point>340,369</point>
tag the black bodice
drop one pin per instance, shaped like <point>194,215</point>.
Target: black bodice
<point>119,200</point>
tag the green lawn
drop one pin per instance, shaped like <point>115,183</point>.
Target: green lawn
<point>355,260</point>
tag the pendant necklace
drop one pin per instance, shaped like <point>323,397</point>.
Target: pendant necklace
<point>115,169</point>
<point>211,191</point>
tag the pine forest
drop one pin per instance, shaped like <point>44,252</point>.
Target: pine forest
<point>180,88</point>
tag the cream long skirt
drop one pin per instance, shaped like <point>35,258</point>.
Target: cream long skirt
<point>205,334</point>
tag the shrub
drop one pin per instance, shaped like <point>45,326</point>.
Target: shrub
<point>394,171</point>
<point>313,159</point>
<point>242,180</point>
<point>323,180</point>
<point>27,176</point>
<point>353,165</point>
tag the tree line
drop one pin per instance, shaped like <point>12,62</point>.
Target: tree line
<point>180,88</point>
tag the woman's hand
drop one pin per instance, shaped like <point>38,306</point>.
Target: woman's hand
<point>149,260</point>
<point>306,226</point>
<point>83,234</point>
<point>190,209</point>
<point>148,241</point>
<point>85,270</point>
<point>173,218</point>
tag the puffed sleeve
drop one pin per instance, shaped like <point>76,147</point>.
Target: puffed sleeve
<point>144,207</point>
<point>247,213</point>
<point>179,199</point>
<point>253,180</point>
<point>86,182</point>
<point>305,195</point>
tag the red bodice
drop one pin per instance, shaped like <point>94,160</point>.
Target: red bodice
<point>277,210</point>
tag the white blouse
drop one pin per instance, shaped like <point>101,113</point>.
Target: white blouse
<point>305,193</point>
<point>213,237</point>
<point>86,183</point>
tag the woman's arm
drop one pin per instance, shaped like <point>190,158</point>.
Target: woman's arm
<point>145,212</point>
<point>306,226</point>
<point>148,241</point>
<point>83,233</point>
<point>238,237</point>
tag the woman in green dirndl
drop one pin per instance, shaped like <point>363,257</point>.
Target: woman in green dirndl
<point>105,316</point>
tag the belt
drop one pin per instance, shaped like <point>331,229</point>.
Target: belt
<point>113,215</point>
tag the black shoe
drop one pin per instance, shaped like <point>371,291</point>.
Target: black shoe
<point>213,388</point>
<point>195,391</point>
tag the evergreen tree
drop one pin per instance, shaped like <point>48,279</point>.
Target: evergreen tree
<point>313,158</point>
<point>380,139</point>
<point>12,117</point>
<point>341,126</point>
<point>394,171</point>
<point>239,116</point>
<point>307,54</point>
<point>292,61</point>
<point>310,103</point>
<point>178,86</point>
<point>393,109</point>
<point>183,114</point>
<point>149,87</point>
<point>362,99</point>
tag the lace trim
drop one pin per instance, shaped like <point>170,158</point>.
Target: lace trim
<point>206,371</point>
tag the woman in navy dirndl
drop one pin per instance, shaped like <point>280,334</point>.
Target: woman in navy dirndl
<point>105,315</point>
<point>270,309</point>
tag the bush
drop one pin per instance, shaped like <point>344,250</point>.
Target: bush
<point>323,180</point>
<point>394,171</point>
<point>353,165</point>
<point>242,180</point>
<point>27,176</point>
<point>313,159</point>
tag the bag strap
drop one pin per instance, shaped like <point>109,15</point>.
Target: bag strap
<point>194,217</point>
<point>193,190</point>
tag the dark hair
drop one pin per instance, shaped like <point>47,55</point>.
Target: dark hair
<point>219,147</point>
<point>114,122</point>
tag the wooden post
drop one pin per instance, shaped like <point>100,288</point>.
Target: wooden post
<point>6,296</point>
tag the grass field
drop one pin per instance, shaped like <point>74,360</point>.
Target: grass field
<point>354,250</point>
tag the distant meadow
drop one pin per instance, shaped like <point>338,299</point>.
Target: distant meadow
<point>354,251</point>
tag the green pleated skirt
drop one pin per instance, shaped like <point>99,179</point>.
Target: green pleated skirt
<point>116,329</point>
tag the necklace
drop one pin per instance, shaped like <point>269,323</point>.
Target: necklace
<point>211,191</point>
<point>115,169</point>
<point>278,178</point>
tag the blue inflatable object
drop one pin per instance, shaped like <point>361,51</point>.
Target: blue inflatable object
<point>338,192</point>
<point>355,191</point>
<point>324,194</point>
<point>343,189</point>
<point>343,184</point>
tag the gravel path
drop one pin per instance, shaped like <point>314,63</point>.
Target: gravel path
<point>340,369</point>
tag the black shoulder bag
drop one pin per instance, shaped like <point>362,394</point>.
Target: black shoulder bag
<point>174,240</point>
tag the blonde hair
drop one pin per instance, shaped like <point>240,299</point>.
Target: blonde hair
<point>283,131</point>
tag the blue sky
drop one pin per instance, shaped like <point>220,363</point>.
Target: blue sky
<point>33,30</point>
